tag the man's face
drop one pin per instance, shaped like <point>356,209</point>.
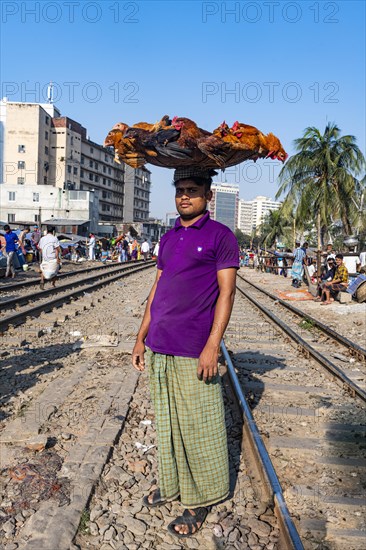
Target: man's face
<point>338,261</point>
<point>191,199</point>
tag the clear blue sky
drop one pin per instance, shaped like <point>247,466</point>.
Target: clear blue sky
<point>288,65</point>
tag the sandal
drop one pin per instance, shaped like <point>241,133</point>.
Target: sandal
<point>156,499</point>
<point>190,520</point>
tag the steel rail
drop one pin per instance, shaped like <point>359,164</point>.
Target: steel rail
<point>36,281</point>
<point>288,530</point>
<point>325,328</point>
<point>22,300</point>
<point>16,318</point>
<point>331,367</point>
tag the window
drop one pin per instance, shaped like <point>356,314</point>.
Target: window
<point>46,135</point>
<point>11,195</point>
<point>91,177</point>
<point>96,165</point>
<point>21,148</point>
<point>45,181</point>
<point>35,197</point>
<point>72,140</point>
<point>46,150</point>
<point>47,120</point>
<point>11,218</point>
<point>37,218</point>
<point>69,169</point>
<point>104,169</point>
<point>104,181</point>
<point>91,150</point>
<point>96,178</point>
<point>81,174</point>
<point>109,170</point>
<point>90,163</point>
<point>75,171</point>
<point>21,164</point>
<point>82,160</point>
<point>20,181</point>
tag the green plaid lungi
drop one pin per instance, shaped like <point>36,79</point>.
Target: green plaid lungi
<point>192,441</point>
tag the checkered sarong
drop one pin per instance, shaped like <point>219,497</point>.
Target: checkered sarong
<point>192,442</point>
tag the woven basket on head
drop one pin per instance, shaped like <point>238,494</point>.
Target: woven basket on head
<point>361,293</point>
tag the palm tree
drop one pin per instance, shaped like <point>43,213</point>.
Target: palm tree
<point>275,225</point>
<point>321,178</point>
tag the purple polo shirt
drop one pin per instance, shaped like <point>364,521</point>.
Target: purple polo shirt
<point>183,308</point>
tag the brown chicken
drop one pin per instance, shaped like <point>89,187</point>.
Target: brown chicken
<point>123,148</point>
<point>164,123</point>
<point>250,138</point>
<point>192,137</point>
<point>274,147</point>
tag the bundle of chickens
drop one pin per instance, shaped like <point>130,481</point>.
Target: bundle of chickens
<point>178,142</point>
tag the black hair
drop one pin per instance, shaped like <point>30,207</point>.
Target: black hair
<point>340,256</point>
<point>6,227</point>
<point>50,229</point>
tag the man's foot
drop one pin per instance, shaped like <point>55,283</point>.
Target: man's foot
<point>41,286</point>
<point>189,523</point>
<point>317,299</point>
<point>153,499</point>
<point>325,303</point>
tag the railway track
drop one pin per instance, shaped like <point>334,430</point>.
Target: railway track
<point>34,281</point>
<point>306,433</point>
<point>15,311</point>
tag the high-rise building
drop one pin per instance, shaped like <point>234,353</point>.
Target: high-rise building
<point>252,213</point>
<point>38,146</point>
<point>170,218</point>
<point>224,204</point>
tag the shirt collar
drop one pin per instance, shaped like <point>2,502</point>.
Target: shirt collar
<point>197,225</point>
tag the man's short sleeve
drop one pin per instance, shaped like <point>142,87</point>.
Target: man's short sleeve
<point>227,254</point>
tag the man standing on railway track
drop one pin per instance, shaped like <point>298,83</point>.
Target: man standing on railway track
<point>50,251</point>
<point>186,315</point>
<point>11,242</point>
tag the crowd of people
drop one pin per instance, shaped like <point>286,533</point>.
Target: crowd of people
<point>29,246</point>
<point>301,266</point>
<point>123,248</point>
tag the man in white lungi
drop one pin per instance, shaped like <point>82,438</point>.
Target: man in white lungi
<point>50,251</point>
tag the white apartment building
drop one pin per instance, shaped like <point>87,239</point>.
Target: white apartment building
<point>252,213</point>
<point>35,204</point>
<point>38,146</point>
<point>224,204</point>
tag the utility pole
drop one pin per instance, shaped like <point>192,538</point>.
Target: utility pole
<point>40,218</point>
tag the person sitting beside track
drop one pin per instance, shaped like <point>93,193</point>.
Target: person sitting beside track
<point>338,284</point>
<point>326,276</point>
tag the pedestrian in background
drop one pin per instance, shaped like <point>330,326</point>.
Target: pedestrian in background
<point>50,251</point>
<point>145,249</point>
<point>11,242</point>
<point>91,245</point>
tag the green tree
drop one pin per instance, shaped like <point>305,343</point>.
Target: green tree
<point>276,225</point>
<point>321,179</point>
<point>242,238</point>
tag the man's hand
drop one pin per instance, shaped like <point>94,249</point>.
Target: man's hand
<point>207,364</point>
<point>138,356</point>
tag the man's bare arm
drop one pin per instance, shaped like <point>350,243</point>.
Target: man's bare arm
<point>207,364</point>
<point>138,360</point>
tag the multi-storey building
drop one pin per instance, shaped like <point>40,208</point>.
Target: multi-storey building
<point>252,213</point>
<point>38,146</point>
<point>224,204</point>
